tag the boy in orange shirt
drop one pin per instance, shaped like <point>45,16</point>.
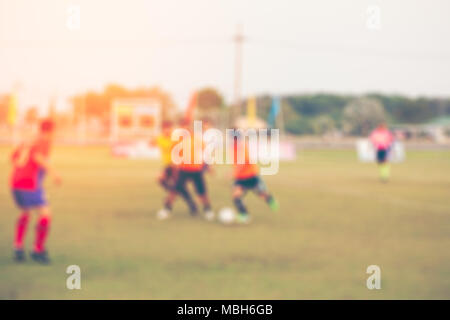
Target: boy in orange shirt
<point>246,177</point>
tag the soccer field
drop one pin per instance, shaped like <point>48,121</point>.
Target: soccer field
<point>336,219</point>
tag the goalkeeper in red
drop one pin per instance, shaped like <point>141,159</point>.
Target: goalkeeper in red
<point>30,164</point>
<point>382,139</point>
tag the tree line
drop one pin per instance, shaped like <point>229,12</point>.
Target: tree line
<point>300,113</point>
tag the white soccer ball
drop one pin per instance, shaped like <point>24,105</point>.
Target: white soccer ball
<point>227,216</point>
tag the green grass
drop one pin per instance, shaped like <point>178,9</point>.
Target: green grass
<point>336,219</point>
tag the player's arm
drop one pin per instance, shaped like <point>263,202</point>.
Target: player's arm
<point>14,157</point>
<point>44,162</point>
<point>20,156</point>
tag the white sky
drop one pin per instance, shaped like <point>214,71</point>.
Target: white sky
<point>293,47</point>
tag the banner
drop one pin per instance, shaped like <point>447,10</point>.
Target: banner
<point>366,152</point>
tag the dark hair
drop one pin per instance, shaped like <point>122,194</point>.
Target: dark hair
<point>46,126</point>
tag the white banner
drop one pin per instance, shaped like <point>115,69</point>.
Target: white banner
<point>367,153</point>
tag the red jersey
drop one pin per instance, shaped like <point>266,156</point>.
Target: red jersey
<point>381,138</point>
<point>27,173</point>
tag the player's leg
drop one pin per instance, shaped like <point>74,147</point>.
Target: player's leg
<point>23,202</point>
<point>202,192</point>
<point>39,253</point>
<point>383,165</point>
<point>178,189</point>
<point>171,177</point>
<point>165,178</point>
<point>262,192</point>
<point>21,229</point>
<point>238,194</point>
<point>164,213</point>
<point>181,188</point>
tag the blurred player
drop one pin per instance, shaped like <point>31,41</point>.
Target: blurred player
<point>30,164</point>
<point>382,140</point>
<point>189,171</point>
<point>165,144</point>
<point>246,177</point>
<point>206,125</point>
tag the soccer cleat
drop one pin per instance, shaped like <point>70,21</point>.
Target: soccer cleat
<point>209,215</point>
<point>384,172</point>
<point>163,214</point>
<point>274,205</point>
<point>19,255</point>
<point>193,212</point>
<point>40,257</point>
<point>243,218</point>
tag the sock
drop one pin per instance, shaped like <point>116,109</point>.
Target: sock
<point>207,207</point>
<point>269,199</point>
<point>168,205</point>
<point>240,206</point>
<point>273,204</point>
<point>384,171</point>
<point>42,229</point>
<point>21,229</point>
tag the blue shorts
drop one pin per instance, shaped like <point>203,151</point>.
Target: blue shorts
<point>382,155</point>
<point>29,199</point>
<point>253,183</point>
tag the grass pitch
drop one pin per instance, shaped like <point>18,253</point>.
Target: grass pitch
<point>336,219</point>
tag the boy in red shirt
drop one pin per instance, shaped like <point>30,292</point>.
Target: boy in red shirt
<point>29,166</point>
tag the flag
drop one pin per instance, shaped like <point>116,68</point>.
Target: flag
<point>12,110</point>
<point>274,111</point>
<point>251,111</point>
<point>189,116</point>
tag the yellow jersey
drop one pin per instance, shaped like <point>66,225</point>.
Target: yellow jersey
<point>165,145</point>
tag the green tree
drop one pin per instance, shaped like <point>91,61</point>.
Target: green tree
<point>209,99</point>
<point>323,124</point>
<point>362,115</point>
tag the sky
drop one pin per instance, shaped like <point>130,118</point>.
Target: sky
<point>340,46</point>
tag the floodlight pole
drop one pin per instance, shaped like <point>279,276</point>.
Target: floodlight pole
<point>238,40</point>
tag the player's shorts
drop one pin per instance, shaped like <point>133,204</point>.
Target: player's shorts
<point>29,199</point>
<point>197,179</point>
<point>253,183</point>
<point>382,155</point>
<point>169,176</point>
<point>169,172</point>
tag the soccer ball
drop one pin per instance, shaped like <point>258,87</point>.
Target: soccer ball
<point>227,216</point>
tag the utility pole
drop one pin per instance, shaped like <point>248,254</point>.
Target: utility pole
<point>238,41</point>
